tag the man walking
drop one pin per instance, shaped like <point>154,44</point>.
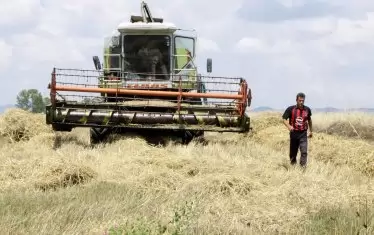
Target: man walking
<point>299,118</point>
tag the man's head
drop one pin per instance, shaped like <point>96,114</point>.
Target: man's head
<point>300,98</point>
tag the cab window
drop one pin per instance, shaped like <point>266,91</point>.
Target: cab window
<point>184,48</point>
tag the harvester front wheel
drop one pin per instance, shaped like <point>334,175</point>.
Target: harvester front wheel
<point>188,136</point>
<point>99,135</point>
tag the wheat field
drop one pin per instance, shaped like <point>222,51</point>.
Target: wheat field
<point>232,184</point>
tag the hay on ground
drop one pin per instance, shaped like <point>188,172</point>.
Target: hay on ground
<point>19,125</point>
<point>235,184</point>
<point>351,125</point>
<point>65,176</point>
<point>357,154</point>
<point>350,130</point>
<point>261,121</point>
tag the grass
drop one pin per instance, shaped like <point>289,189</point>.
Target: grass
<point>234,184</point>
<point>341,221</point>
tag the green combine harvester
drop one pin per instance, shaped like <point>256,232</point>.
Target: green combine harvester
<point>149,85</point>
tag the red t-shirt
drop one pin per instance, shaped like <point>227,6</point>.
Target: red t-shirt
<point>298,117</point>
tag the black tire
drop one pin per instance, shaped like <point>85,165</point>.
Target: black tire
<point>99,135</point>
<point>188,136</point>
<point>62,128</point>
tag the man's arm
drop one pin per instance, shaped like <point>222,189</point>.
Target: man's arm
<point>285,116</point>
<point>310,123</point>
<point>289,127</point>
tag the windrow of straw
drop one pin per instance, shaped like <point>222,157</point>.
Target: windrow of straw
<point>19,125</point>
<point>351,124</point>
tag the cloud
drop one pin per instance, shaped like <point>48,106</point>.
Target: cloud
<point>205,44</point>
<point>281,47</point>
<point>327,56</point>
<point>273,11</point>
<point>5,55</point>
<point>248,44</point>
<point>18,11</point>
<point>353,31</point>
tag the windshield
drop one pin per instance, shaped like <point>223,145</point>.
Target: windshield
<point>147,55</point>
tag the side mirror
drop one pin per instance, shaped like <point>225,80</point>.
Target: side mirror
<point>96,61</point>
<point>209,65</point>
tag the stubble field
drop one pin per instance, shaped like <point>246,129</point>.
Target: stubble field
<point>233,184</point>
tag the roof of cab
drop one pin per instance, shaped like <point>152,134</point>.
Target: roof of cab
<point>127,27</point>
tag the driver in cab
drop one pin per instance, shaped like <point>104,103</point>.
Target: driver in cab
<point>151,57</point>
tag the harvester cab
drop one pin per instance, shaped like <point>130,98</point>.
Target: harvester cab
<point>148,83</point>
<point>147,52</point>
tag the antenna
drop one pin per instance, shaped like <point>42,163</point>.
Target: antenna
<point>146,15</point>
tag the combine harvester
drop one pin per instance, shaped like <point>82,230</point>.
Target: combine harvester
<point>147,85</point>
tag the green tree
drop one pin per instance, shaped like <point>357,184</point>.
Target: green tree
<point>31,100</point>
<point>47,100</point>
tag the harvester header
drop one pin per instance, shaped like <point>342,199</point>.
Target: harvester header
<point>148,83</point>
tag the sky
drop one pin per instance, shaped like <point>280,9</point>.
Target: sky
<point>324,48</point>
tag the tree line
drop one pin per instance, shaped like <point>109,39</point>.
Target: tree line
<point>32,100</point>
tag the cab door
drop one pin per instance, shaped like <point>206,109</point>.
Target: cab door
<point>184,52</point>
